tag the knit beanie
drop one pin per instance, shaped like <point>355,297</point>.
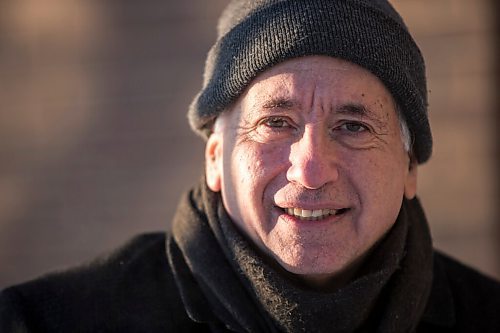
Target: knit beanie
<point>254,35</point>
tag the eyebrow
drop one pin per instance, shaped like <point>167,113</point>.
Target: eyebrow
<point>352,109</point>
<point>280,103</point>
<point>359,110</point>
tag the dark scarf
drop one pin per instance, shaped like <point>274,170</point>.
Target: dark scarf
<point>225,283</point>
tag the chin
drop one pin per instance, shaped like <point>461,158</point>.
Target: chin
<point>313,265</point>
<point>308,269</point>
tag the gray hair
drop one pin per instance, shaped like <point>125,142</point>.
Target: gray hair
<point>406,136</point>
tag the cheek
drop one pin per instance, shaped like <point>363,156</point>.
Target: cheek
<point>257,164</point>
<point>249,171</point>
<point>248,174</point>
<point>379,183</point>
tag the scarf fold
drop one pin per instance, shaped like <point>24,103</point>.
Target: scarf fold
<point>224,282</point>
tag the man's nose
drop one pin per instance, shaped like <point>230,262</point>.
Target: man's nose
<point>313,161</point>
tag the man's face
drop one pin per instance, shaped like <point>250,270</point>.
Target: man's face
<point>311,164</point>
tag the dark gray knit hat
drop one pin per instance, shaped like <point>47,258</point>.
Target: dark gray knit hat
<point>256,35</point>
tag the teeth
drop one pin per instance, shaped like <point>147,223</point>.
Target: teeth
<point>317,213</point>
<point>306,214</point>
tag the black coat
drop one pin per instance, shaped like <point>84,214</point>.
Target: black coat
<point>133,290</point>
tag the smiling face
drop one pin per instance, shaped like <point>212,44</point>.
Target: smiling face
<point>311,164</point>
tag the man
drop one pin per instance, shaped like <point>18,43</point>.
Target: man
<point>307,218</point>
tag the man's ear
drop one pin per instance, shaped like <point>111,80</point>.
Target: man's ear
<point>213,161</point>
<point>411,180</point>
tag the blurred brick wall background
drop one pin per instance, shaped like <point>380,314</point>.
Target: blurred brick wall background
<point>459,186</point>
<point>95,147</point>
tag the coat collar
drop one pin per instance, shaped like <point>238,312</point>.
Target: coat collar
<point>196,226</point>
<point>440,309</point>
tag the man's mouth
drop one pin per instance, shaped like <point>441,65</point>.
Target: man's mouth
<point>313,215</point>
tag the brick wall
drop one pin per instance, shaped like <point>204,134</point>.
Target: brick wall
<point>459,186</point>
<point>94,142</point>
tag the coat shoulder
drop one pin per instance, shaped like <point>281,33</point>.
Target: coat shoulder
<point>469,285</point>
<point>130,289</point>
<point>473,299</point>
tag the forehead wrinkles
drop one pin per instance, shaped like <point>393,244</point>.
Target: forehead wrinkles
<point>269,92</point>
<point>275,86</point>
<point>290,91</point>
<point>313,84</point>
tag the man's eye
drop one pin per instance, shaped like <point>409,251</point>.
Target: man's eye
<point>354,127</point>
<point>276,122</point>
<point>272,128</point>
